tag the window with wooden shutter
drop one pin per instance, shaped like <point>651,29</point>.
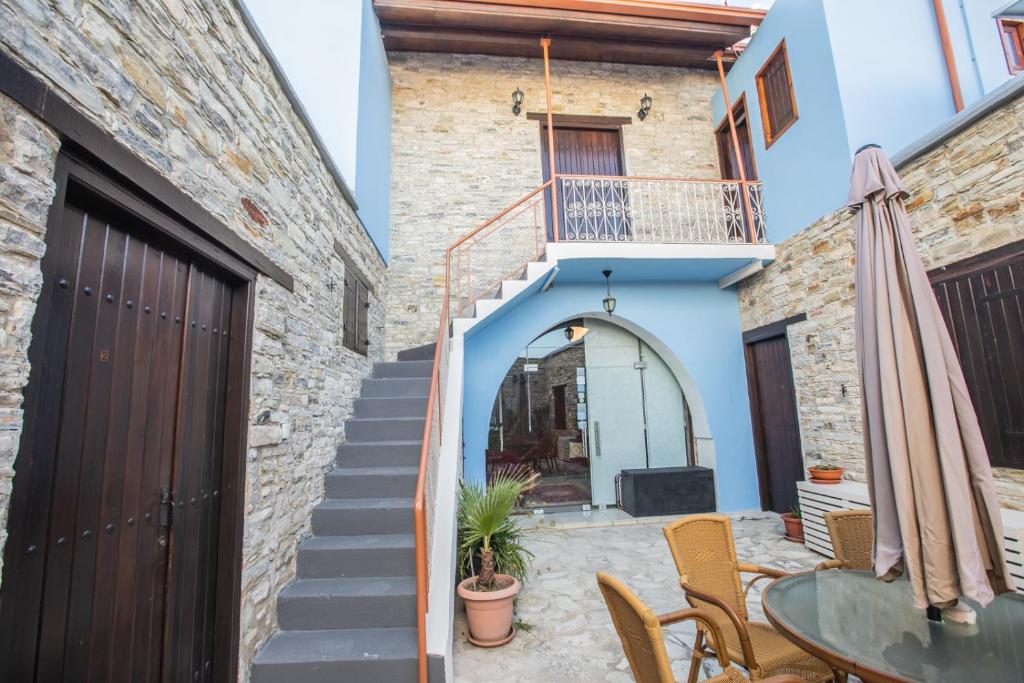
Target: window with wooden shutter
<point>775,95</point>
<point>1012,33</point>
<point>355,314</point>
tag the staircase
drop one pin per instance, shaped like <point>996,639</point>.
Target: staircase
<point>350,615</point>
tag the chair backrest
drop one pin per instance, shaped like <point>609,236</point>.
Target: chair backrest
<point>852,533</point>
<point>640,631</point>
<point>705,556</point>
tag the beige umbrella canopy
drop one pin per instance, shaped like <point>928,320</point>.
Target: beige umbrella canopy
<point>936,513</point>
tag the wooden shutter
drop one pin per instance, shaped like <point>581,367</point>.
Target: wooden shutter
<point>775,95</point>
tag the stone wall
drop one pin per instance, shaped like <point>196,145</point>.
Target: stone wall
<point>459,155</point>
<point>966,198</point>
<point>184,86</point>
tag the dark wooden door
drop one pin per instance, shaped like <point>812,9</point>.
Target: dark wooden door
<point>727,151</point>
<point>776,429</point>
<point>111,567</point>
<point>591,209</point>
<point>982,301</point>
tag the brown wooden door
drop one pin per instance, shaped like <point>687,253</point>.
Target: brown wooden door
<point>776,429</point>
<point>596,209</point>
<point>982,301</point>
<point>727,151</point>
<point>110,568</point>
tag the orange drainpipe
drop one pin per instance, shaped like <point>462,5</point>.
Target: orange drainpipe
<point>947,55</point>
<point>545,43</point>
<point>741,166</point>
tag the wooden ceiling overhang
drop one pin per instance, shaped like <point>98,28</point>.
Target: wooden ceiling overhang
<point>617,31</point>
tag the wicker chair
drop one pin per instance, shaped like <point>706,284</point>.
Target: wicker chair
<point>705,556</point>
<point>639,630</point>
<point>852,533</point>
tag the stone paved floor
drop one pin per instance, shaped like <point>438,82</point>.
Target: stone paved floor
<point>572,638</point>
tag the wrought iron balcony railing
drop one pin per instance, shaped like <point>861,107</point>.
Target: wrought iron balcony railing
<point>659,210</point>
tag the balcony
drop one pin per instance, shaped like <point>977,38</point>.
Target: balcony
<point>659,210</point>
<point>608,210</point>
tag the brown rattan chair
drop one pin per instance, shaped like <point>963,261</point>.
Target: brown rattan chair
<point>640,631</point>
<point>852,533</point>
<point>705,556</point>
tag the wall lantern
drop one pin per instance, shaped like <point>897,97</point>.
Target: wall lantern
<point>645,106</point>
<point>517,101</point>
<point>609,301</point>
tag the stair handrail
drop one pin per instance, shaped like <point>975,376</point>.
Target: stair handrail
<point>435,403</point>
<point>437,390</point>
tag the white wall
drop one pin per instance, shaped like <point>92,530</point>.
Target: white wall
<point>317,44</point>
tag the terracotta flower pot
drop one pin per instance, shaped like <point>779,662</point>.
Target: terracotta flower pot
<point>489,612</point>
<point>794,526</point>
<point>833,476</point>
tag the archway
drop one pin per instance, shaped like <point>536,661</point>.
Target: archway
<point>587,398</point>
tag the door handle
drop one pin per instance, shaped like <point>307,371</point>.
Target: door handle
<point>597,439</point>
<point>165,515</point>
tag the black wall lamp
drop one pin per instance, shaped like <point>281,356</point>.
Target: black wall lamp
<point>517,101</point>
<point>609,301</point>
<point>645,106</point>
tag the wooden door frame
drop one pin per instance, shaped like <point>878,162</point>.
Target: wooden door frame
<point>722,127</point>
<point>580,122</point>
<point>76,172</point>
<point>751,337</point>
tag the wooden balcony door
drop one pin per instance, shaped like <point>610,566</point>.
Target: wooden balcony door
<point>598,210</point>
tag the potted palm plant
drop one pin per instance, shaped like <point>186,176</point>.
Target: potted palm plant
<point>492,560</point>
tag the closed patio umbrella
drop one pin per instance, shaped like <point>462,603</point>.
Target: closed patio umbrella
<point>936,513</point>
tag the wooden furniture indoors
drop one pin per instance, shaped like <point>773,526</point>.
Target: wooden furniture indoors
<point>643,642</point>
<point>709,573</point>
<point>852,533</point>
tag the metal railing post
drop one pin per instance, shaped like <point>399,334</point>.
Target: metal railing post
<point>545,43</point>
<point>748,218</point>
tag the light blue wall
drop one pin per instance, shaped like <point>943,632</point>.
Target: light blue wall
<point>373,142</point>
<point>987,62</point>
<point>697,321</point>
<point>806,171</point>
<point>891,74</point>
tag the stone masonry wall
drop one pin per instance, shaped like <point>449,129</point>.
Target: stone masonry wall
<point>185,87</point>
<point>459,155</point>
<point>967,197</point>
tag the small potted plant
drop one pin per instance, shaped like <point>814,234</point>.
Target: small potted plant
<point>794,523</point>
<point>826,473</point>
<point>492,560</point>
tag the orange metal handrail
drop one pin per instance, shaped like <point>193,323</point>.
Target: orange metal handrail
<point>435,397</point>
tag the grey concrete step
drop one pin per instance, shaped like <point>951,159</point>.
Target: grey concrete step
<point>365,429</point>
<point>352,656</point>
<point>380,454</point>
<point>425,352</point>
<point>395,386</point>
<point>356,516</point>
<point>372,482</point>
<point>404,368</point>
<point>371,602</point>
<point>325,557</point>
<point>398,406</point>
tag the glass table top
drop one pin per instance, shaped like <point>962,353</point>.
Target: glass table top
<point>859,618</point>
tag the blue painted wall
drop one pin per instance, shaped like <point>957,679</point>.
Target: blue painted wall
<point>891,74</point>
<point>806,170</point>
<point>373,141</point>
<point>697,321</point>
<point>864,71</point>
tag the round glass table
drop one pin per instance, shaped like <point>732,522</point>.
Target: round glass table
<point>863,626</point>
